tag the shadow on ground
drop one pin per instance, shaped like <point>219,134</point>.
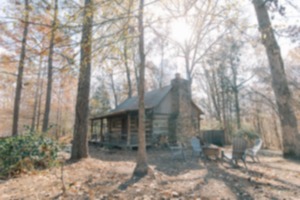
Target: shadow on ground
<point>209,177</point>
<point>160,159</point>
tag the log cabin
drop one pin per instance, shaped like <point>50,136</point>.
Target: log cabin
<point>170,115</point>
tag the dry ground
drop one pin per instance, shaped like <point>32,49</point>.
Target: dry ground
<point>107,175</point>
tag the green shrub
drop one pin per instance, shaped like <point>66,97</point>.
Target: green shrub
<point>26,152</point>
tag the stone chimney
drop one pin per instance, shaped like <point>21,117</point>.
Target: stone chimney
<point>180,121</point>
<point>177,76</point>
<point>181,94</point>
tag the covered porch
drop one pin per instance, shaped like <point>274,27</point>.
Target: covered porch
<point>118,130</point>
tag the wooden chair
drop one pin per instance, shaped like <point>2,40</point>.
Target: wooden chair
<point>177,151</point>
<point>239,146</point>
<point>252,152</point>
<point>196,146</point>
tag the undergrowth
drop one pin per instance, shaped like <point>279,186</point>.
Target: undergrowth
<point>24,153</point>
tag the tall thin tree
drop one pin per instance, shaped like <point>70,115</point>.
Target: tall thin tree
<point>128,76</point>
<point>80,146</point>
<point>288,120</point>
<point>126,47</point>
<point>113,87</point>
<point>20,72</point>
<point>36,95</point>
<point>50,68</point>
<point>141,168</point>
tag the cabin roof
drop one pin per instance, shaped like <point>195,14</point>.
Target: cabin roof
<point>152,99</point>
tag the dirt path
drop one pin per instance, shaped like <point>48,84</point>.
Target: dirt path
<point>106,175</point>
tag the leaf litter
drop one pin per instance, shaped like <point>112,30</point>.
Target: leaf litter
<point>100,176</point>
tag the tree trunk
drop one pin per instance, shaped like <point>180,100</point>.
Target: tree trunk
<point>214,93</point>
<point>36,95</point>
<point>141,168</point>
<point>283,95</point>
<point>127,70</point>
<point>136,73</point>
<point>50,67</point>
<point>80,146</point>
<point>188,70</point>
<point>114,89</point>
<point>40,102</point>
<point>20,73</point>
<point>223,106</point>
<point>258,121</point>
<point>237,106</point>
<point>161,70</point>
<point>235,89</point>
<point>277,133</point>
<point>58,113</point>
<point>224,118</point>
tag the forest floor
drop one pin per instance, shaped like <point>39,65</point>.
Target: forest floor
<point>107,175</point>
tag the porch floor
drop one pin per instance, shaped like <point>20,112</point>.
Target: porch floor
<point>122,145</point>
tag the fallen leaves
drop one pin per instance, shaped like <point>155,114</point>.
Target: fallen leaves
<point>101,176</point>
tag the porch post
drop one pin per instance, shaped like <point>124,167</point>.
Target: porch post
<point>128,129</point>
